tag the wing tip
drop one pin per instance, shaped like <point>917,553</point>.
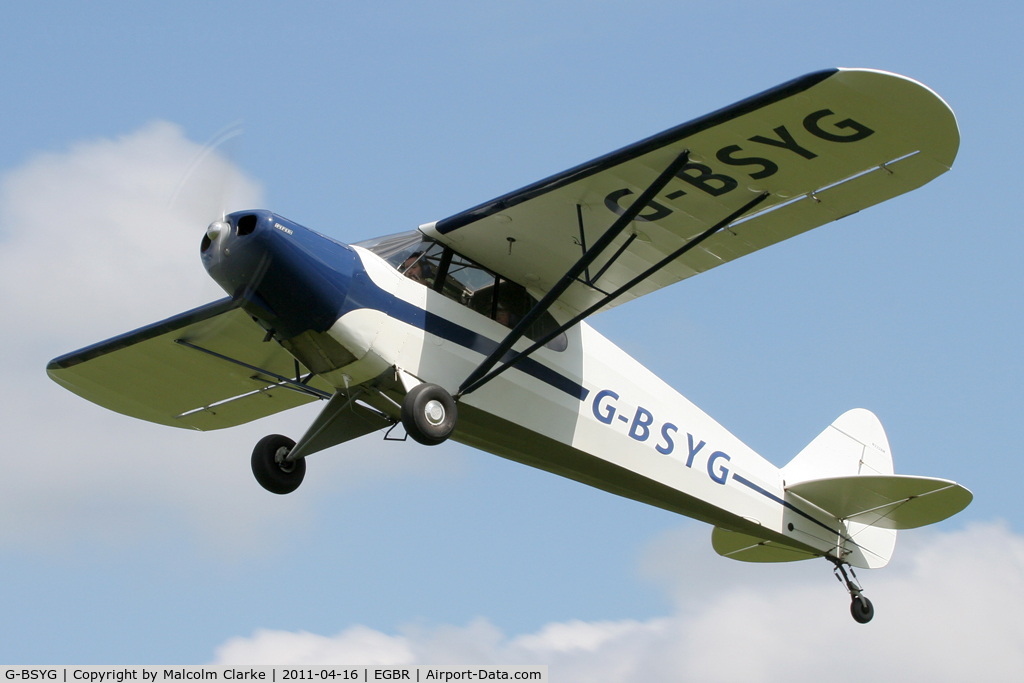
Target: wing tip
<point>918,84</point>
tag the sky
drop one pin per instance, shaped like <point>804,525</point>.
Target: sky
<point>124,542</point>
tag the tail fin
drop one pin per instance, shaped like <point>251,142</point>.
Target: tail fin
<point>847,471</point>
<point>854,444</point>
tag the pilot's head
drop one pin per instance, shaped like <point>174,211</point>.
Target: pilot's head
<point>412,268</point>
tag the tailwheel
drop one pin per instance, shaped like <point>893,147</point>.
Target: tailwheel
<point>860,607</point>
<point>271,468</point>
<point>429,414</point>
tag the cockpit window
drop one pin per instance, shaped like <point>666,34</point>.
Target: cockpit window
<point>456,277</point>
<point>395,248</point>
<point>513,302</point>
<point>421,263</point>
<point>469,284</point>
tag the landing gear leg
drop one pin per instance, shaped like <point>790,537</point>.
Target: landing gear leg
<point>860,607</point>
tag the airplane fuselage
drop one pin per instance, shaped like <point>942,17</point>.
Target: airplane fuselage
<point>589,412</point>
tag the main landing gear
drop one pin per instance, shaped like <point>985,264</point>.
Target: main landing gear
<point>428,413</point>
<point>860,607</point>
<point>272,470</point>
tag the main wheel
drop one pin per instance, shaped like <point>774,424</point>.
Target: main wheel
<point>271,471</point>
<point>862,609</point>
<point>429,414</point>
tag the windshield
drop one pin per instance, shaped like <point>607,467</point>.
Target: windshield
<point>394,248</point>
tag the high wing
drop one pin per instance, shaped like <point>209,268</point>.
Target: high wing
<point>204,369</point>
<point>822,146</point>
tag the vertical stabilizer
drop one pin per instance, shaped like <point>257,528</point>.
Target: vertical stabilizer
<point>855,444</point>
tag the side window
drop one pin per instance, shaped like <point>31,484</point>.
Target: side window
<point>422,263</point>
<point>513,302</point>
<point>456,277</point>
<point>470,285</point>
<point>493,296</point>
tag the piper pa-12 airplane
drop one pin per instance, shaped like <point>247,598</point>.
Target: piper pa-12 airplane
<point>473,327</point>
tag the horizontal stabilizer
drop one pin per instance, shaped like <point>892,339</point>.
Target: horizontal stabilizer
<point>886,501</point>
<point>745,548</point>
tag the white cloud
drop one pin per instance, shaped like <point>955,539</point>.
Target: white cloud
<point>947,609</point>
<point>92,245</point>
<point>91,239</point>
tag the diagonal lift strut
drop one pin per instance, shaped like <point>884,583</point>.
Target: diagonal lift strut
<point>574,272</point>
<point>300,385</point>
<point>480,378</point>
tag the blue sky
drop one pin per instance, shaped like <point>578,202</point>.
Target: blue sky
<point>123,542</point>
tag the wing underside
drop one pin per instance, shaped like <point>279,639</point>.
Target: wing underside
<point>822,147</point>
<point>205,369</point>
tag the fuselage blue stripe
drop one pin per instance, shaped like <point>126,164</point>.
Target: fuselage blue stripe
<point>308,281</point>
<point>434,324</point>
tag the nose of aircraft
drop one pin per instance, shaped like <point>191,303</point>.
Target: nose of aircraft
<point>291,278</point>
<point>231,259</point>
<point>216,228</point>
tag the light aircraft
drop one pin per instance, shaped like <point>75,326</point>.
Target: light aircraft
<point>473,327</point>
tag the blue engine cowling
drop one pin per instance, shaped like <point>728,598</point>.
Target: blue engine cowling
<point>289,277</point>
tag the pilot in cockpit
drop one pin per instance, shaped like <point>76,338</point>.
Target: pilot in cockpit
<point>415,268</point>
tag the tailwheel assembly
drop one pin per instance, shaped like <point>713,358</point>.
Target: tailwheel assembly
<point>860,607</point>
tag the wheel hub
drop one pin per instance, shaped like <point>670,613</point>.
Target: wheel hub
<point>434,412</point>
<point>279,458</point>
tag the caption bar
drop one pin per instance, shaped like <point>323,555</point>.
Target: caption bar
<point>270,674</point>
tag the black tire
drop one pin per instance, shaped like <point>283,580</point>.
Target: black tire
<point>429,414</point>
<point>277,478</point>
<point>862,609</point>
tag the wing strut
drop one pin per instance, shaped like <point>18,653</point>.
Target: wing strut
<point>299,385</point>
<point>468,387</point>
<point>574,272</point>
